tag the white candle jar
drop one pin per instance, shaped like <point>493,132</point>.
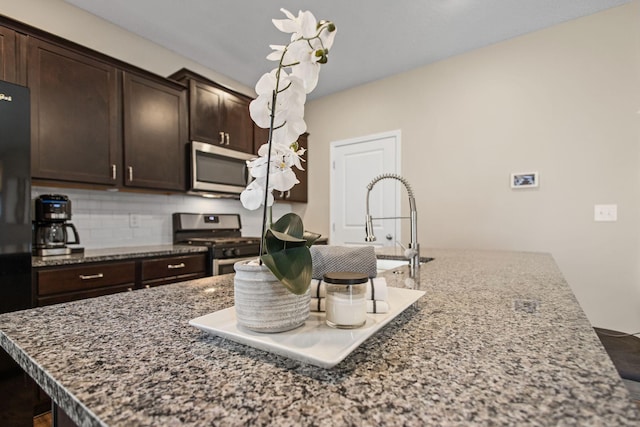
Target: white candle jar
<point>346,307</point>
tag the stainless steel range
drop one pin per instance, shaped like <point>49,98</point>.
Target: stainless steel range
<point>222,233</point>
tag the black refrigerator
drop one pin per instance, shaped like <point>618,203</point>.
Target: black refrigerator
<point>15,198</point>
<point>15,241</point>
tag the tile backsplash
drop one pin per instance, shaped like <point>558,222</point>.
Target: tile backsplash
<point>106,219</point>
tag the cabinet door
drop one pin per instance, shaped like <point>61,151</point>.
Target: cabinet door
<point>8,64</point>
<point>238,124</point>
<point>155,134</point>
<point>219,117</point>
<point>74,115</point>
<point>260,137</point>
<point>205,107</point>
<point>299,191</point>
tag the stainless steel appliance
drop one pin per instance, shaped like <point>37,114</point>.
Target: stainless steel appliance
<point>218,171</point>
<point>221,233</point>
<point>51,233</point>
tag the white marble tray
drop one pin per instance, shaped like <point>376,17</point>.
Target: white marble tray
<point>314,342</point>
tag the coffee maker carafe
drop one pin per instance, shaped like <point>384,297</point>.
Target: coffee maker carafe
<point>52,232</point>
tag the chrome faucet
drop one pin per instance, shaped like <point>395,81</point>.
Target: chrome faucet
<point>413,250</point>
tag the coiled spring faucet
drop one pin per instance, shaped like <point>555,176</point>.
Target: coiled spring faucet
<point>413,251</point>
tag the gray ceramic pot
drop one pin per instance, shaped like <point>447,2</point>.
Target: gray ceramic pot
<point>263,304</point>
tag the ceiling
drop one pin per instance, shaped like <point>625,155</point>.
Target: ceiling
<point>375,39</point>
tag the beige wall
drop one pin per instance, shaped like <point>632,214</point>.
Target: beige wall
<point>563,101</point>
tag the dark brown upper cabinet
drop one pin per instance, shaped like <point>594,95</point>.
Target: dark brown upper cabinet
<point>217,115</point>
<point>8,58</point>
<point>299,191</point>
<point>75,106</point>
<point>155,133</point>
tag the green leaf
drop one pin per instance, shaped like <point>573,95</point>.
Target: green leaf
<point>292,267</point>
<point>290,224</point>
<point>287,252</point>
<point>277,241</point>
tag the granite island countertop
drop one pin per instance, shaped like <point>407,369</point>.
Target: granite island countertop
<point>115,254</point>
<point>498,339</point>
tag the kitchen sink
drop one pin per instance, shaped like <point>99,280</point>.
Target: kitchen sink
<point>390,264</point>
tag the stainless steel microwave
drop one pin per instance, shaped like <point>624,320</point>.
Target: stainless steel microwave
<point>218,171</point>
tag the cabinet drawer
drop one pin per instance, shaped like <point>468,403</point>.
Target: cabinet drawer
<point>84,294</point>
<point>85,277</point>
<point>182,267</point>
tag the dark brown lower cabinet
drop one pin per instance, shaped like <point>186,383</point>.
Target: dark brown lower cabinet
<point>56,285</point>
<point>162,271</point>
<point>68,283</point>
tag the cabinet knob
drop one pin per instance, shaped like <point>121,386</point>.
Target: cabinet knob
<point>221,138</point>
<point>130,170</point>
<point>113,172</point>
<point>228,138</point>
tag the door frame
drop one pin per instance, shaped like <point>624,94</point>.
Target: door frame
<point>397,137</point>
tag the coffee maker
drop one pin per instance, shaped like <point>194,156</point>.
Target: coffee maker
<point>51,231</point>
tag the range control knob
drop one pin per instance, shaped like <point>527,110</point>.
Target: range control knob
<point>230,252</point>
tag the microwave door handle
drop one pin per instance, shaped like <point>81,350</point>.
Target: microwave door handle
<point>245,171</point>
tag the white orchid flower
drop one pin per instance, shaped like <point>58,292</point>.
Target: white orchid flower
<point>279,106</point>
<point>304,24</point>
<point>252,197</point>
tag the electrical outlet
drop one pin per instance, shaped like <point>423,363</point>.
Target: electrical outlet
<point>134,221</point>
<point>607,213</point>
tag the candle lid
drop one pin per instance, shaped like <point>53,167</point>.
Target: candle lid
<point>345,278</point>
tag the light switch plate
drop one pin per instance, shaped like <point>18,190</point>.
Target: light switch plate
<point>134,221</point>
<point>607,213</point>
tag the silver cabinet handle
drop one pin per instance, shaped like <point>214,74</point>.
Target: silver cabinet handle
<point>113,172</point>
<point>174,266</point>
<point>91,276</point>
<point>221,138</point>
<point>130,170</point>
<point>228,138</point>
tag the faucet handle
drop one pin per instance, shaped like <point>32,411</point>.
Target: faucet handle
<point>408,252</point>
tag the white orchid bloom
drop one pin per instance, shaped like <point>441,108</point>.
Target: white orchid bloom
<point>304,24</point>
<point>253,196</point>
<point>302,57</point>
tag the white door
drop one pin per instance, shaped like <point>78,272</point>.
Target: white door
<point>355,162</point>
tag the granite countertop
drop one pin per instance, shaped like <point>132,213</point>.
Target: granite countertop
<point>114,254</point>
<point>498,339</point>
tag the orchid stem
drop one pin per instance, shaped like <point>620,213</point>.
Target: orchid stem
<point>266,185</point>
